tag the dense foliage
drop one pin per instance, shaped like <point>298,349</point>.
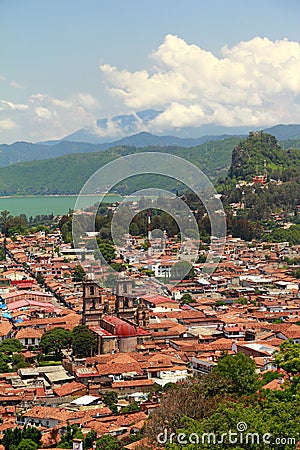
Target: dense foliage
<point>230,400</point>
<point>67,174</point>
<point>81,340</point>
<point>248,159</point>
<point>24,439</point>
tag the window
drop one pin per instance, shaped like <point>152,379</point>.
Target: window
<point>92,290</point>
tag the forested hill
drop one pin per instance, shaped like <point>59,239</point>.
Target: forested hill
<point>250,155</point>
<point>67,174</point>
<point>257,204</point>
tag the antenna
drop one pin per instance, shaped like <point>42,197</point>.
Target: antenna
<point>149,233</point>
<point>265,170</point>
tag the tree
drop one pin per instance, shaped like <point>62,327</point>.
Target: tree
<point>3,364</point>
<point>39,278</point>
<point>296,273</point>
<point>4,221</point>
<point>110,399</point>
<point>90,438</point>
<point>219,303</point>
<point>191,398</point>
<point>72,432</point>
<point>288,358</point>
<point>262,421</point>
<point>27,444</point>
<point>18,361</point>
<point>78,273</point>
<point>106,250</point>
<point>182,270</point>
<point>10,346</point>
<point>53,341</point>
<point>133,407</point>
<point>83,341</point>
<point>241,301</point>
<point>240,371</point>
<point>186,299</point>
<point>108,442</point>
<point>14,436</point>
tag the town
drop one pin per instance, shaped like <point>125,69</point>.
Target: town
<point>75,353</point>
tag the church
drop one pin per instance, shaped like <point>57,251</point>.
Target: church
<point>116,319</point>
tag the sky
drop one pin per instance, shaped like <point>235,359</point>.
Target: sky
<point>66,63</point>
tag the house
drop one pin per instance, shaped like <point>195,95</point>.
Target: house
<point>292,332</point>
<point>46,416</point>
<point>5,329</point>
<point>30,337</point>
<point>201,366</point>
<point>73,388</point>
<point>154,301</point>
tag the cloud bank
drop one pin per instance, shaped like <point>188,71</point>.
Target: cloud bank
<point>255,83</point>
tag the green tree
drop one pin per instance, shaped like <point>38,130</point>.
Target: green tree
<point>89,439</point>
<point>14,436</point>
<point>72,432</point>
<point>186,299</point>
<point>4,221</point>
<point>78,273</point>
<point>108,442</point>
<point>3,364</point>
<point>288,358</point>
<point>27,444</point>
<point>106,250</point>
<point>296,273</point>
<point>10,346</point>
<point>110,399</point>
<point>18,361</point>
<point>2,253</point>
<point>219,303</point>
<point>240,371</point>
<point>11,438</point>
<point>271,418</point>
<point>83,341</point>
<point>53,341</point>
<point>182,270</point>
<point>39,278</point>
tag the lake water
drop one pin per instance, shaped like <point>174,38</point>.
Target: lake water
<point>47,204</point>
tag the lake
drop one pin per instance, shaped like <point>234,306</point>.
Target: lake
<point>47,204</point>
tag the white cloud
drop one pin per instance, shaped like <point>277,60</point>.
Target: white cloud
<point>16,85</point>
<point>256,82</point>
<point>43,117</point>
<point>13,106</point>
<point>43,113</point>
<point>7,124</point>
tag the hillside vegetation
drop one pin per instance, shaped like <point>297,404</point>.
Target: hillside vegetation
<point>67,174</point>
<point>249,155</point>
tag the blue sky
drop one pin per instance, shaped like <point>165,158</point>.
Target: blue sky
<point>51,51</point>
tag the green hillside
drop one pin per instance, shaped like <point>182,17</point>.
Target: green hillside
<point>259,203</point>
<point>250,155</point>
<point>67,174</point>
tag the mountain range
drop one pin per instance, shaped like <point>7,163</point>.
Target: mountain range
<point>25,151</point>
<point>105,130</point>
<point>67,174</point>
